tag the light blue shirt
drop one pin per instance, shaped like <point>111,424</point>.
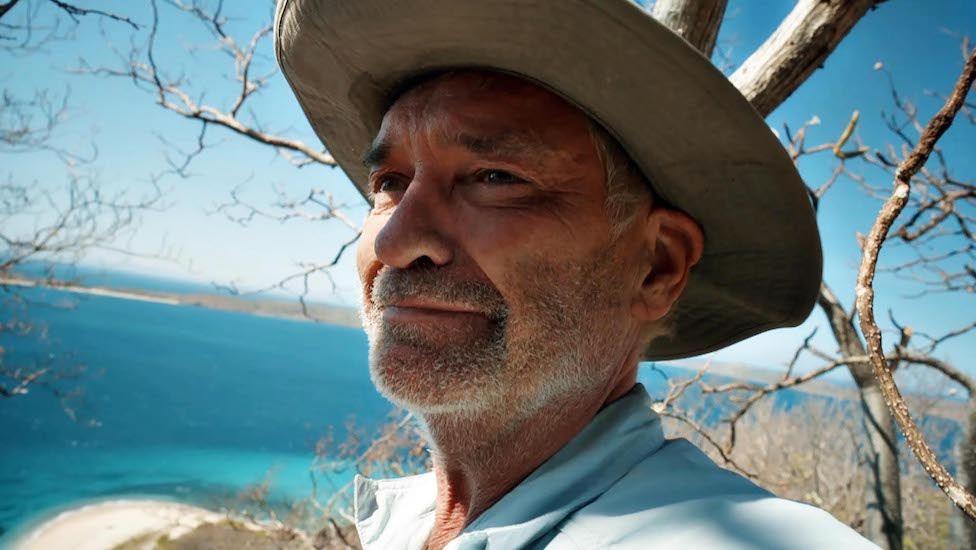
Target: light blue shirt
<point>618,484</point>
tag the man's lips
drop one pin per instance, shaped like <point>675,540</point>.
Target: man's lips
<point>434,305</point>
<point>425,309</point>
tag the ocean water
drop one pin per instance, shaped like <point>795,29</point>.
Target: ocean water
<point>187,404</point>
<point>178,402</point>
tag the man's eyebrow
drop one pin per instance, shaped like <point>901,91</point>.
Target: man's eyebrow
<point>377,154</point>
<point>505,144</point>
<point>517,144</point>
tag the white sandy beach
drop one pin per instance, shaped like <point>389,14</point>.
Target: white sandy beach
<point>94,291</point>
<point>107,524</point>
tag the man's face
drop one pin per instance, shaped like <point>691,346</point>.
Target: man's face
<point>489,274</point>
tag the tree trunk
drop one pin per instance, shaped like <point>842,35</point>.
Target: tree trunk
<point>884,524</point>
<point>697,21</point>
<point>967,467</point>
<point>799,46</point>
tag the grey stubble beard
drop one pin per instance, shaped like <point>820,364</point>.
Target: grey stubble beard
<point>555,349</point>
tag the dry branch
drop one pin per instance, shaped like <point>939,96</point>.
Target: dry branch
<point>865,290</point>
<point>7,6</point>
<point>172,95</point>
<point>949,371</point>
<point>74,12</point>
<point>46,226</point>
<point>696,21</point>
<point>29,26</point>
<point>799,46</point>
<point>940,223</point>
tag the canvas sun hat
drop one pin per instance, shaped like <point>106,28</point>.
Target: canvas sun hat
<point>700,143</point>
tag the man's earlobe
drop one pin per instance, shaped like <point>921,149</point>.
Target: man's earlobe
<point>675,243</point>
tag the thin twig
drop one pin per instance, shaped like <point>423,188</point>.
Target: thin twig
<point>74,11</point>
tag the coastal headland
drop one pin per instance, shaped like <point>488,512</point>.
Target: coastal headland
<point>272,307</point>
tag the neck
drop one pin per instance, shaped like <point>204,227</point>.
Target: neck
<point>477,460</point>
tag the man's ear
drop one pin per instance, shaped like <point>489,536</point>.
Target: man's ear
<point>674,244</point>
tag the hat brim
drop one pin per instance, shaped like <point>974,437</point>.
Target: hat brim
<point>699,141</point>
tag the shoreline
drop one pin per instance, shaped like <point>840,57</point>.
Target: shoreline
<point>90,290</point>
<point>109,523</point>
<point>274,308</point>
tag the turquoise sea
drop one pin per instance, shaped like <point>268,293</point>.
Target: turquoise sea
<point>186,403</point>
<point>178,402</point>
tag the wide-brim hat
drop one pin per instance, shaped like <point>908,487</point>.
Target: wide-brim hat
<point>700,143</point>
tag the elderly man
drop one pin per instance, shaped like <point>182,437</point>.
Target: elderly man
<point>559,189</point>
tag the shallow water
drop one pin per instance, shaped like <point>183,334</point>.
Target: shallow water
<point>179,402</point>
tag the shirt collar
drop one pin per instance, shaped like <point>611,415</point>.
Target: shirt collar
<point>618,437</point>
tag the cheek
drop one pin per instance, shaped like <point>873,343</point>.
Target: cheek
<point>363,259</point>
<point>532,264</point>
<point>495,245</point>
<point>499,231</point>
<point>511,254</point>
<point>366,249</point>
<point>505,239</point>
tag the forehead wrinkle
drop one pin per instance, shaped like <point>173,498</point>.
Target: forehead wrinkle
<point>420,111</point>
<point>424,102</point>
<point>410,113</point>
<point>507,143</point>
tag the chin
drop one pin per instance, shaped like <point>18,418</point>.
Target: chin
<point>426,382</point>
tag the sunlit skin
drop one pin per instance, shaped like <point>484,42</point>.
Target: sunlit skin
<point>487,178</point>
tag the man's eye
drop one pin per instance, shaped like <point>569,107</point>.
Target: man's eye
<point>388,184</point>
<point>497,177</point>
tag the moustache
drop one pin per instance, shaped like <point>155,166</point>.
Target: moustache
<point>392,285</point>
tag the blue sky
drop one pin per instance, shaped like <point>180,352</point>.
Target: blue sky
<point>911,37</point>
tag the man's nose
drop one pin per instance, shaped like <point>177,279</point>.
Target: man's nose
<point>415,229</point>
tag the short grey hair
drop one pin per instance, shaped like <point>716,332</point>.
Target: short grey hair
<point>627,189</point>
<point>627,186</point>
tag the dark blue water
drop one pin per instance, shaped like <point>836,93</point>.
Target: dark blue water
<point>178,402</point>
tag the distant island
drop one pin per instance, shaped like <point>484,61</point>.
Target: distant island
<point>271,307</point>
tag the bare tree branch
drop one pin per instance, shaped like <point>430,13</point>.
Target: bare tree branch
<point>884,516</point>
<point>171,94</point>
<point>865,290</point>
<point>29,25</point>
<point>7,6</point>
<point>935,341</point>
<point>722,451</point>
<point>43,225</point>
<point>800,45</point>
<point>74,12</point>
<point>944,367</point>
<point>696,21</point>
